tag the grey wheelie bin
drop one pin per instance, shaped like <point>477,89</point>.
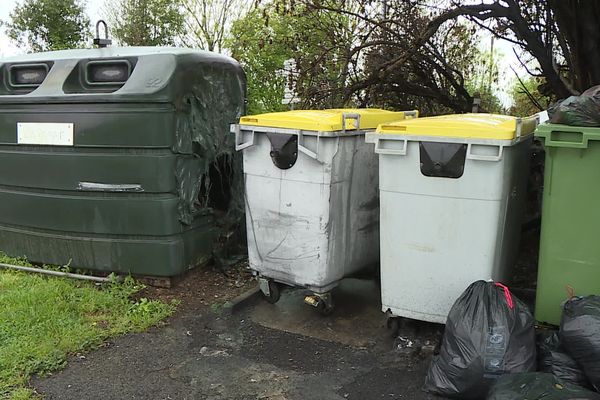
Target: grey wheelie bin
<point>312,208</point>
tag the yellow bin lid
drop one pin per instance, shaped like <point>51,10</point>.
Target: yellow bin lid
<point>326,120</point>
<point>467,126</point>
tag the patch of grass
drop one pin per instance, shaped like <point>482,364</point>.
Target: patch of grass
<point>44,319</point>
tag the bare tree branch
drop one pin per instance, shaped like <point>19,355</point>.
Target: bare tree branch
<point>524,89</point>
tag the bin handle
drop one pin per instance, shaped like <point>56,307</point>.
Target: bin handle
<point>481,157</point>
<point>521,122</point>
<point>411,114</point>
<point>582,144</point>
<point>355,117</point>
<point>395,152</point>
<point>305,150</point>
<point>239,144</point>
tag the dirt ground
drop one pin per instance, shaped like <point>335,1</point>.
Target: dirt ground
<point>204,286</point>
<point>261,351</point>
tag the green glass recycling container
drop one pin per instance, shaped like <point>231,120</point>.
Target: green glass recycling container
<point>109,155</point>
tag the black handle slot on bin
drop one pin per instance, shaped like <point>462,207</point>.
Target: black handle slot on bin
<point>284,150</point>
<point>113,72</point>
<point>25,78</point>
<point>100,76</point>
<point>442,160</point>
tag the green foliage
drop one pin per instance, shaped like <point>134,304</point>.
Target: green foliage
<point>260,49</point>
<point>44,319</point>
<point>145,22</point>
<point>482,80</point>
<point>527,99</point>
<point>42,25</point>
<point>315,39</point>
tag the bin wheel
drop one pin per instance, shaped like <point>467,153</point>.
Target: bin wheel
<point>324,309</point>
<point>274,293</point>
<point>393,324</point>
<point>322,302</point>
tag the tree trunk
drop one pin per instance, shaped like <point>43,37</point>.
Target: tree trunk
<point>579,22</point>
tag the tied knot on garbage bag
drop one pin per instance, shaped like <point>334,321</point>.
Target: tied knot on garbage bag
<point>489,332</point>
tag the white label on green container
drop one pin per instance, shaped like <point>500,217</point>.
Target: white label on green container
<point>45,133</point>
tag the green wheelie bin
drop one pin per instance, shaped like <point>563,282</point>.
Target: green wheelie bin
<point>569,261</point>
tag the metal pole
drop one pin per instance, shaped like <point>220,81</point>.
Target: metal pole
<point>59,273</point>
<point>491,64</point>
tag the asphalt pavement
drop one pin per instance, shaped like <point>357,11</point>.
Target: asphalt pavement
<point>283,351</point>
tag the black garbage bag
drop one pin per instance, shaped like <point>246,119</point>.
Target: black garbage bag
<point>580,334</point>
<point>583,110</point>
<point>489,332</point>
<point>553,358</point>
<point>537,386</point>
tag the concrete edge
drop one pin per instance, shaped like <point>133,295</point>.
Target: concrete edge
<point>245,299</point>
